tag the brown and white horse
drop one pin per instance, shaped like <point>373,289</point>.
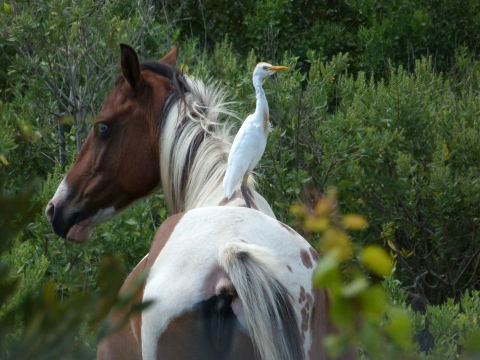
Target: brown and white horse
<point>226,281</point>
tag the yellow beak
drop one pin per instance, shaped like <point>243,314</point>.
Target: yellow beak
<point>278,68</point>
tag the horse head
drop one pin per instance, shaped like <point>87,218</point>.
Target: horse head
<point>118,163</point>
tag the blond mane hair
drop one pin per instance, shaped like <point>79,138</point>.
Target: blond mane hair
<point>194,144</point>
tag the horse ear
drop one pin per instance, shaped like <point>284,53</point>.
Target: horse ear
<point>171,57</point>
<point>130,64</point>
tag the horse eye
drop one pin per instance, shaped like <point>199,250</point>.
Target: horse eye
<point>101,129</point>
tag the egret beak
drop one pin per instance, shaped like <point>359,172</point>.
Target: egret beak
<point>278,68</point>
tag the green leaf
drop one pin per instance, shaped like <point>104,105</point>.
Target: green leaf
<point>374,303</point>
<point>342,313</point>
<point>326,269</point>
<point>472,345</point>
<point>399,329</point>
<point>7,8</point>
<point>131,222</point>
<point>336,344</point>
<point>323,70</point>
<point>355,287</point>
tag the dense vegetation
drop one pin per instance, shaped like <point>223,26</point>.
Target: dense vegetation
<point>382,102</point>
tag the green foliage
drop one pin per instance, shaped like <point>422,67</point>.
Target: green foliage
<point>453,326</point>
<point>374,316</point>
<point>401,152</point>
<point>373,32</point>
<point>37,320</point>
<point>358,308</point>
<point>363,108</point>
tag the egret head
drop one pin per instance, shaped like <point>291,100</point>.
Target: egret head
<point>263,69</point>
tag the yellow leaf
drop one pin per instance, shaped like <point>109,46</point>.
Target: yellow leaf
<point>377,260</point>
<point>446,151</point>
<point>3,159</point>
<point>354,221</point>
<point>297,209</point>
<point>323,206</point>
<point>315,224</point>
<point>49,291</point>
<point>184,68</point>
<point>336,239</point>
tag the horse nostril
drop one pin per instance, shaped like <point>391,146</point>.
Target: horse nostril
<point>49,211</point>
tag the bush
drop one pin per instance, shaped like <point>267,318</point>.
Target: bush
<point>453,327</point>
<point>373,32</point>
<point>400,152</point>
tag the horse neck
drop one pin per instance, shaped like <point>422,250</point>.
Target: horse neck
<point>194,149</point>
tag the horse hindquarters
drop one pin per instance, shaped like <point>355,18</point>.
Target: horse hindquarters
<point>124,344</point>
<point>267,304</point>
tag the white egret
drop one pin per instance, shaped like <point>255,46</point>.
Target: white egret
<point>251,139</point>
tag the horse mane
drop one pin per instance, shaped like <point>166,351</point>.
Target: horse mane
<point>194,144</point>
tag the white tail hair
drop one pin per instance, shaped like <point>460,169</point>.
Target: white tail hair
<point>268,308</point>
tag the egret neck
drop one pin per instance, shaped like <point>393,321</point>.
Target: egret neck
<point>261,107</point>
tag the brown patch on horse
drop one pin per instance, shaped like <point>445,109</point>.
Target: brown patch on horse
<point>162,236</point>
<point>252,203</point>
<point>236,195</point>
<point>266,124</point>
<point>288,228</point>
<point>171,57</point>
<point>304,313</point>
<point>289,268</point>
<point>301,298</point>
<point>321,326</point>
<point>318,325</point>
<point>314,254</point>
<point>309,302</point>
<point>125,343</point>
<point>185,339</point>
<point>306,260</point>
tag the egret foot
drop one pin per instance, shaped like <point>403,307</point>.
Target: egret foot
<point>245,195</point>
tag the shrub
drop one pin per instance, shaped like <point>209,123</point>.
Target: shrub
<point>400,152</point>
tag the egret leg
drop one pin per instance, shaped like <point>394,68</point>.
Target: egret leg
<point>243,187</point>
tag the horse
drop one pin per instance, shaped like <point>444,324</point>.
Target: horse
<point>225,281</point>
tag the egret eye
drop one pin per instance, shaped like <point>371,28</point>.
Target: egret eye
<point>265,68</point>
<point>101,128</point>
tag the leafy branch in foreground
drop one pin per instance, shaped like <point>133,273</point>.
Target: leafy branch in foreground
<point>361,308</point>
<point>35,323</point>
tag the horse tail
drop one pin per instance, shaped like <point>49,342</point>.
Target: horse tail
<point>267,304</point>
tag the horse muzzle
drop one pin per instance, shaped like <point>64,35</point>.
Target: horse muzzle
<point>73,225</point>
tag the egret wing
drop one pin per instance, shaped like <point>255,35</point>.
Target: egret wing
<point>240,159</point>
